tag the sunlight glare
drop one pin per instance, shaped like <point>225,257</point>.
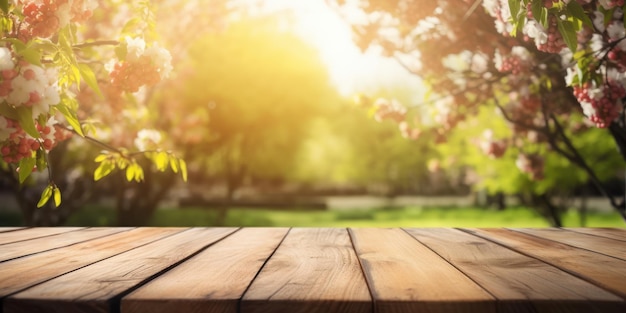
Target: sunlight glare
<point>350,70</point>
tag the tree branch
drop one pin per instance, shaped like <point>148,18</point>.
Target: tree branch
<point>96,43</point>
<point>580,161</point>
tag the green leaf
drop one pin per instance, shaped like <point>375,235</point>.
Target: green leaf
<point>576,10</point>
<point>70,116</point>
<point>174,164</point>
<point>161,160</point>
<point>57,196</point>
<point>134,172</point>
<point>75,73</point>
<point>4,5</point>
<point>122,163</point>
<point>138,173</point>
<point>90,78</point>
<point>515,6</point>
<point>8,111</point>
<point>130,25</point>
<point>540,13</point>
<point>103,170</point>
<point>608,15</point>
<point>25,118</point>
<point>121,51</point>
<point>130,172</point>
<point>101,157</point>
<point>26,168</point>
<point>32,55</point>
<point>40,156</point>
<point>183,169</point>
<point>519,26</point>
<point>17,44</point>
<point>45,196</point>
<point>566,28</point>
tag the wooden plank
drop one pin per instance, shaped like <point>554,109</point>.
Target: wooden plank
<point>520,283</point>
<point>607,246</point>
<point>40,267</point>
<point>613,233</point>
<point>95,288</point>
<point>212,281</point>
<point>606,272</point>
<point>32,233</point>
<point>23,248</point>
<point>313,270</point>
<point>5,229</point>
<point>406,276</point>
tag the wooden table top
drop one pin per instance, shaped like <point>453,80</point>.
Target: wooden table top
<point>312,270</point>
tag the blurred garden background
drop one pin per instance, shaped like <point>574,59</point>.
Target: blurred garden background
<point>269,104</point>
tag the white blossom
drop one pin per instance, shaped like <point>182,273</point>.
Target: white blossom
<point>147,139</point>
<point>536,31</point>
<point>6,61</point>
<point>5,131</point>
<point>598,21</point>
<point>479,63</point>
<point>135,48</point>
<point>162,58</point>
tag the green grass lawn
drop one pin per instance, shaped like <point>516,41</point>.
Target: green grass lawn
<point>381,217</point>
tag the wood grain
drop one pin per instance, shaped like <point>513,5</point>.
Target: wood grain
<point>607,246</point>
<point>613,233</point>
<point>602,270</point>
<point>5,229</point>
<point>313,270</point>
<point>32,233</point>
<point>23,248</point>
<point>212,281</point>
<point>18,274</point>
<point>520,283</point>
<point>94,288</point>
<point>406,276</point>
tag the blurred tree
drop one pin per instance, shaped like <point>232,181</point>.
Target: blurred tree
<point>121,123</point>
<point>542,64</point>
<point>464,152</point>
<point>346,149</point>
<point>256,87</point>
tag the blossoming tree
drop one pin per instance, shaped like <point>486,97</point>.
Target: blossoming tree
<point>551,68</point>
<point>61,77</point>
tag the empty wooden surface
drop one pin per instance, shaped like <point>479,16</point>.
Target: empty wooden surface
<point>519,282</point>
<point>406,276</point>
<point>212,281</point>
<point>312,270</point>
<point>31,233</point>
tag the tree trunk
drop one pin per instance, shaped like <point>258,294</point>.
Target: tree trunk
<point>137,202</point>
<point>547,209</point>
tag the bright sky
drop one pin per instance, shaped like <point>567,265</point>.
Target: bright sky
<point>350,70</point>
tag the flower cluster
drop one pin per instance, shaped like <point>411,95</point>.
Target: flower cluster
<point>24,85</point>
<point>547,40</point>
<point>599,94</point>
<point>43,18</point>
<point>409,132</point>
<point>27,85</point>
<point>142,66</point>
<point>602,104</point>
<point>389,109</point>
<point>147,139</point>
<point>532,164</point>
<point>518,61</point>
<point>16,144</point>
<point>492,147</point>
